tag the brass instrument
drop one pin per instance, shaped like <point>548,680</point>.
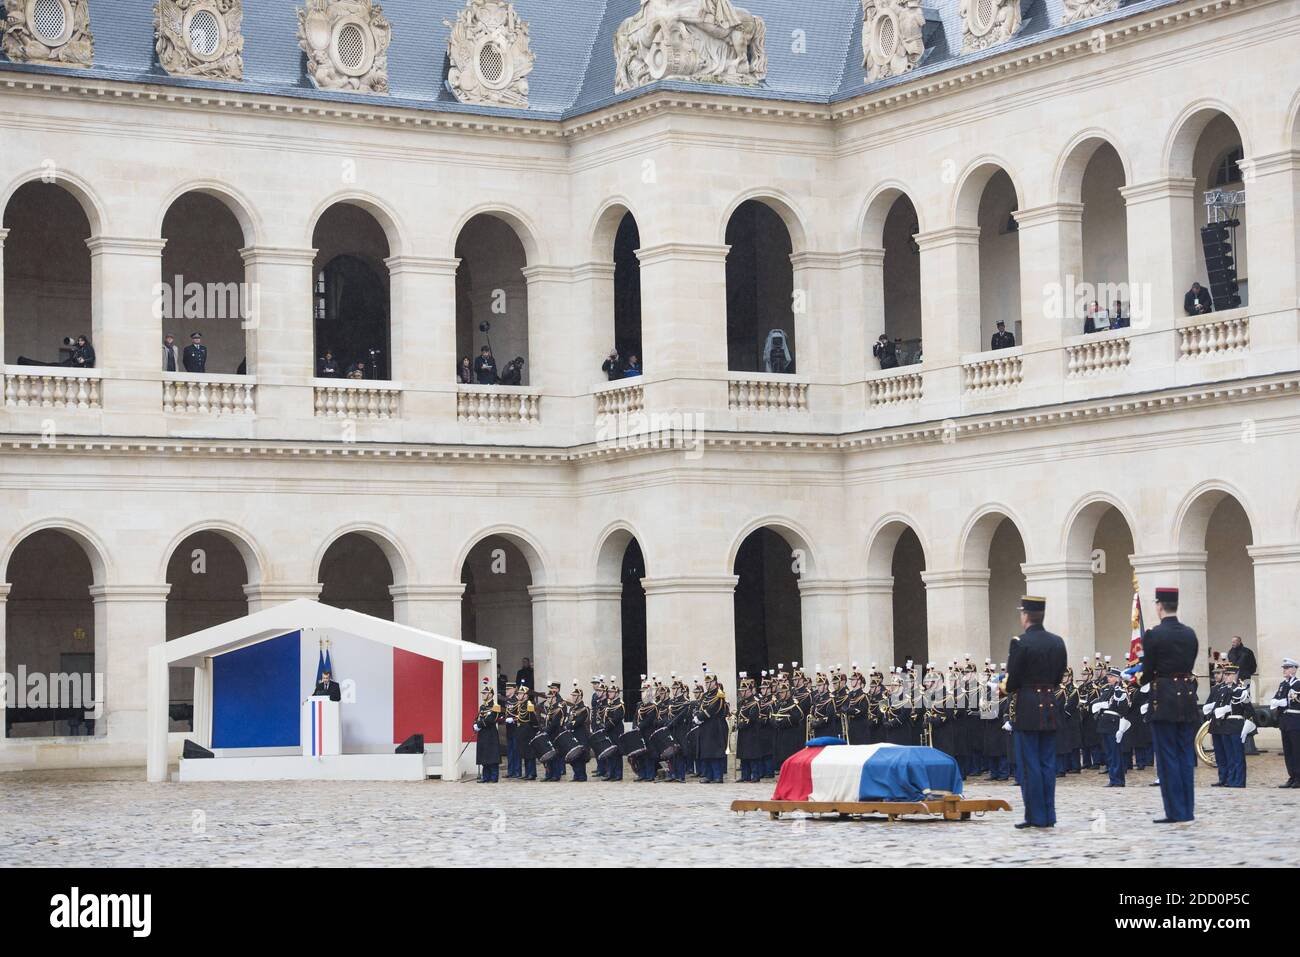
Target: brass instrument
<point>1206,754</point>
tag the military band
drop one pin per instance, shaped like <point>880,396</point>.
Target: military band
<point>1025,722</point>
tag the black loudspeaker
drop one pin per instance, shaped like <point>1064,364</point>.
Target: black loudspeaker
<point>1220,265</point>
<point>412,745</point>
<point>192,751</point>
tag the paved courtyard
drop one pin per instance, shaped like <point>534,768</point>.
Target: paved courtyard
<point>114,818</point>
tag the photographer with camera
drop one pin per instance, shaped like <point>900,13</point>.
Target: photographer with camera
<point>612,366</point>
<point>513,373</point>
<point>83,353</point>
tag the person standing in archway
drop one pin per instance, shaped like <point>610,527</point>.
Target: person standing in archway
<point>1035,665</point>
<point>1170,650</point>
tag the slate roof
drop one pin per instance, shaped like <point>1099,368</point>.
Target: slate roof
<point>814,51</point>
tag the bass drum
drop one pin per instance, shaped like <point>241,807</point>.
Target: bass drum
<point>632,744</point>
<point>543,749</point>
<point>1205,747</point>
<point>567,744</point>
<point>602,746</point>
<point>664,744</point>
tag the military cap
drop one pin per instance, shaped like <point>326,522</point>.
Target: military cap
<point>1033,603</point>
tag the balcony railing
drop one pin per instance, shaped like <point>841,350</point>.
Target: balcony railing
<point>52,387</point>
<point>188,394</point>
<point>1213,339</point>
<point>498,404</point>
<point>620,398</point>
<point>993,373</point>
<point>769,394</point>
<point>895,386</point>
<point>356,399</point>
<point>1103,355</point>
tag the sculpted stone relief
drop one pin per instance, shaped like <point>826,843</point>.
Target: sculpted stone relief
<point>702,40</point>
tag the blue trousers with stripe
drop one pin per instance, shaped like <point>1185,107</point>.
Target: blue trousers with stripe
<point>1036,762</point>
<point>1175,747</point>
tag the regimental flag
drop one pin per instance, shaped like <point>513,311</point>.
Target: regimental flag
<point>867,772</point>
<point>321,667</point>
<point>1136,625</point>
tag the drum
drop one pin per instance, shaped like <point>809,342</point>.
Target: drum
<point>602,746</point>
<point>632,744</point>
<point>567,744</point>
<point>664,744</point>
<point>543,750</point>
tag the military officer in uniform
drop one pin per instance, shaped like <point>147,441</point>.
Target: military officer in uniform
<point>1169,653</point>
<point>1035,665</point>
<point>195,356</point>
<point>749,732</point>
<point>514,766</point>
<point>612,718</point>
<point>526,725</point>
<point>487,752</point>
<point>577,718</point>
<point>712,719</point>
<point>1287,705</point>
<point>1111,709</point>
<point>857,709</point>
<point>1230,712</point>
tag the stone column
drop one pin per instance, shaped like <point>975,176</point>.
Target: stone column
<point>1273,201</point>
<point>865,272</point>
<point>957,615</point>
<point>128,620</point>
<point>266,595</point>
<point>592,326</point>
<point>1051,261</point>
<point>601,632</point>
<point>423,342</point>
<point>684,337</point>
<point>824,620</point>
<point>1182,570</point>
<point>6,667</point>
<point>870,610</point>
<point>125,330</point>
<point>281,333</point>
<point>433,608</point>
<point>950,303</point>
<point>1161,249</point>
<point>557,347</point>
<point>1277,609</point>
<point>557,646</point>
<point>825,344</point>
<point>691,621</point>
<point>4,234</point>
<point>1067,586</point>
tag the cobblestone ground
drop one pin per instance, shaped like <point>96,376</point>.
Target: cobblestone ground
<point>115,818</point>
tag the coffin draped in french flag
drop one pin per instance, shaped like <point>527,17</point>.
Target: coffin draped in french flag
<point>829,770</point>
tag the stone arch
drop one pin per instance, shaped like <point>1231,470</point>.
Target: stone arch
<point>1194,512</point>
<point>244,211</point>
<point>795,536</point>
<point>1185,133</point>
<point>534,554</point>
<point>387,542</point>
<point>605,224</point>
<point>81,190</point>
<point>977,535</point>
<point>871,218</point>
<point>1074,159</point>
<point>779,203</point>
<point>884,537</point>
<point>1080,526</point>
<point>241,538</point>
<point>103,571</point>
<point>535,252</point>
<point>607,559</point>
<point>970,188</point>
<point>387,218</point>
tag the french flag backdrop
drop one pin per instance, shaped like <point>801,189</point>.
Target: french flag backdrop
<point>866,772</point>
<point>257,693</point>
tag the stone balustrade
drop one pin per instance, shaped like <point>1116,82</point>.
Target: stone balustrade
<point>774,394</point>
<point>356,399</point>
<point>52,387</point>
<point>993,373</point>
<point>620,399</point>
<point>895,387</point>
<point>1095,357</point>
<point>187,394</point>
<point>1213,339</point>
<point>498,405</point>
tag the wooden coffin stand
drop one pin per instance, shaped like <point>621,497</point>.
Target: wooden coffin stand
<point>947,807</point>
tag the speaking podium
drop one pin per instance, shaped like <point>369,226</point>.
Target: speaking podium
<point>322,731</point>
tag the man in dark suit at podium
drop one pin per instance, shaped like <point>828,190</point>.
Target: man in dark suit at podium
<point>328,686</point>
